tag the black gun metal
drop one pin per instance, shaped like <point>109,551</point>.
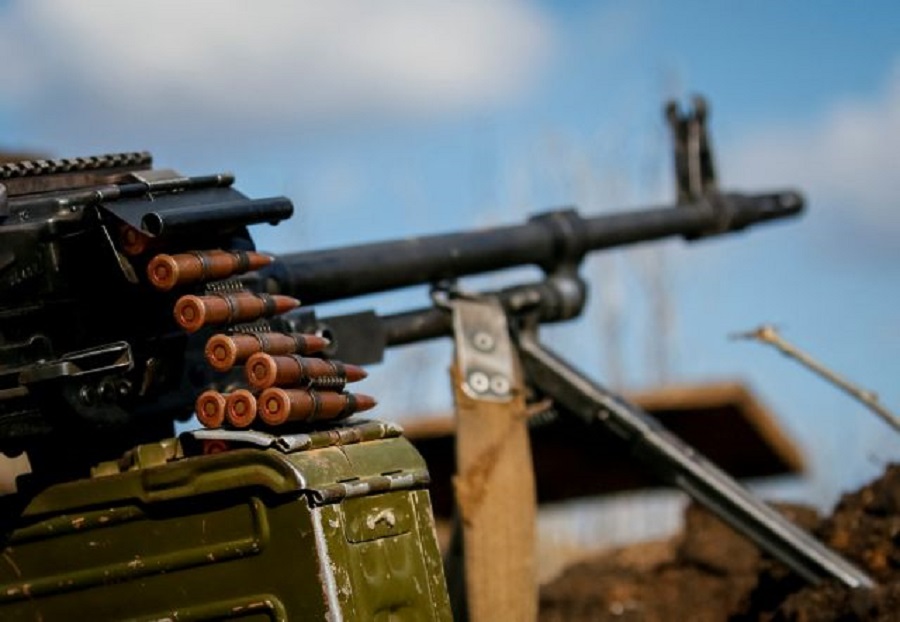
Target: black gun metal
<point>681,465</point>
<point>547,240</point>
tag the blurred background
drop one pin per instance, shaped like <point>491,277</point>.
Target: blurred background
<point>395,119</point>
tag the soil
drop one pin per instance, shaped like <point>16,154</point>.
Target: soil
<point>709,573</point>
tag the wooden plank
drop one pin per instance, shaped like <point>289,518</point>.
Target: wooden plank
<point>496,500</point>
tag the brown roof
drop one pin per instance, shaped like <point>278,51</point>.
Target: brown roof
<point>724,421</point>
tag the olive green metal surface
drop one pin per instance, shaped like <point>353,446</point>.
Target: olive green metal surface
<point>339,532</point>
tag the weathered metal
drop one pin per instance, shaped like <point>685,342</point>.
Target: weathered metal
<point>337,528</point>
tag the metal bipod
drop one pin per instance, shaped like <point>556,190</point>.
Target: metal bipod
<point>679,464</point>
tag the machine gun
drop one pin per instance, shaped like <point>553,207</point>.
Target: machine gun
<point>116,277</point>
<point>557,241</point>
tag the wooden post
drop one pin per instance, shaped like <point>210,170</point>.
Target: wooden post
<point>495,497</point>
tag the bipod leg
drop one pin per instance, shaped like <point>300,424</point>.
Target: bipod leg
<point>678,463</point>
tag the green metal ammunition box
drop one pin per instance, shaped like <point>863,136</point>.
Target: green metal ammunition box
<point>329,525</point>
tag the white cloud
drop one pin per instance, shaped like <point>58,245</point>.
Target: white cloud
<point>270,64</point>
<point>848,160</point>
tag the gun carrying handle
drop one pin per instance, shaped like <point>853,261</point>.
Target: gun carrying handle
<point>494,485</point>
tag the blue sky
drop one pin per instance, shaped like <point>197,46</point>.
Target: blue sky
<point>407,118</point>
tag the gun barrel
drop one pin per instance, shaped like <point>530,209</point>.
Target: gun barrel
<point>547,240</point>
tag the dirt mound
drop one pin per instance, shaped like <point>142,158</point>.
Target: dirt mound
<point>865,528</point>
<point>710,574</point>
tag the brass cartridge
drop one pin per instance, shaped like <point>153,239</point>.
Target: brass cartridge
<point>134,241</point>
<point>168,271</point>
<point>194,312</point>
<point>225,351</point>
<point>210,409</point>
<point>240,408</point>
<point>264,370</point>
<point>277,406</point>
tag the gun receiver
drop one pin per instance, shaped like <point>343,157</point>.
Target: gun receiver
<point>78,235</point>
<point>91,361</point>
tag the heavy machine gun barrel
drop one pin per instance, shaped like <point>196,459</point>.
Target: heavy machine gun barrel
<point>549,240</point>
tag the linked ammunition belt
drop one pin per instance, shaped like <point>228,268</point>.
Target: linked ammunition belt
<point>284,384</point>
